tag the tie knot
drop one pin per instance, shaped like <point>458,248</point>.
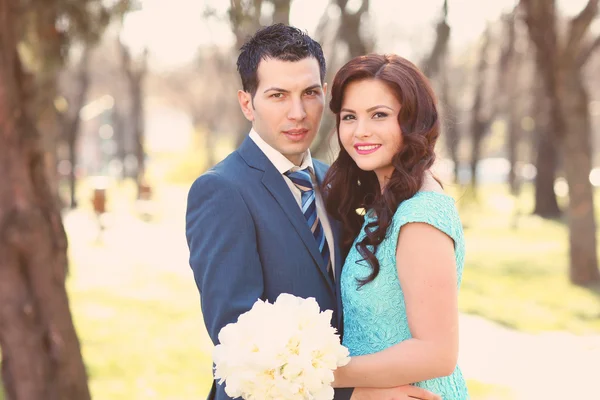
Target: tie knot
<point>301,178</point>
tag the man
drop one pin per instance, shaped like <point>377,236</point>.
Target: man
<point>256,225</point>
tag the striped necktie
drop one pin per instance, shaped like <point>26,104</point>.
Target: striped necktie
<point>302,180</point>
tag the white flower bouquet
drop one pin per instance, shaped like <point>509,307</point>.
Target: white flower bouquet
<point>284,350</point>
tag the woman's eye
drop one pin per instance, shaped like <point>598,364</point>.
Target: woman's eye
<point>347,117</point>
<point>380,115</point>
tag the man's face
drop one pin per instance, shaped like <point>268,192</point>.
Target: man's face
<point>288,105</point>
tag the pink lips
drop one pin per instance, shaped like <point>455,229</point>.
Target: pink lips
<point>366,148</point>
<point>296,135</point>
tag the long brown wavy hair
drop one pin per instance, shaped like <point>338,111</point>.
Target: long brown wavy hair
<point>348,188</point>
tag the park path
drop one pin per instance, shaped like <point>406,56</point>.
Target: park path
<point>548,366</point>
<point>545,366</point>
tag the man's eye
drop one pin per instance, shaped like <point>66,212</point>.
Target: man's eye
<point>277,95</point>
<point>311,92</point>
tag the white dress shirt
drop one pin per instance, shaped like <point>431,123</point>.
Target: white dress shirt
<point>282,164</point>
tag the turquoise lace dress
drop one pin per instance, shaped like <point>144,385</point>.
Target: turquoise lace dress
<point>375,315</point>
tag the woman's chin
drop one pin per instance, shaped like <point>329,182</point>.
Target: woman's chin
<point>367,167</point>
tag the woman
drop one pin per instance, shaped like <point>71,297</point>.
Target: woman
<point>405,252</point>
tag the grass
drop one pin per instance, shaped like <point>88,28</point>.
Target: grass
<point>138,316</point>
<point>484,391</point>
<point>516,270</point>
<point>137,311</point>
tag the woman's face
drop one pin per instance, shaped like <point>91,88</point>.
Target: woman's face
<point>369,128</point>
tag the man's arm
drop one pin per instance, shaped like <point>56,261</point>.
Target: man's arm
<point>223,255</point>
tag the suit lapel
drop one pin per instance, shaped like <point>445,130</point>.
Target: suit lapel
<point>320,175</point>
<point>276,185</point>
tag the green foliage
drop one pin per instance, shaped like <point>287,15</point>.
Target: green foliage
<point>518,275</point>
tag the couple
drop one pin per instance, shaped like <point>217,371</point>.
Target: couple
<point>373,238</point>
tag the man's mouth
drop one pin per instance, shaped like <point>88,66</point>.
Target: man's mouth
<point>296,135</point>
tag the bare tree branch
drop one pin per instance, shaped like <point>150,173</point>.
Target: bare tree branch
<point>587,52</point>
<point>349,31</point>
<point>507,56</point>
<point>431,65</point>
<point>578,28</point>
<point>540,18</point>
<point>244,20</point>
<point>281,14</point>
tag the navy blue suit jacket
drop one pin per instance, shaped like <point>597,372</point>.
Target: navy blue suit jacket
<point>248,240</point>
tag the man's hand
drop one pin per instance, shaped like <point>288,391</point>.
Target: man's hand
<point>407,392</point>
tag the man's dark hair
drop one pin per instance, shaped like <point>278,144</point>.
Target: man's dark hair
<point>278,41</point>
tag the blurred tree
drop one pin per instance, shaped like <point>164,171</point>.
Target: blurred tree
<point>281,12</point>
<point>349,30</point>
<point>560,61</point>
<point>70,120</point>
<point>546,156</point>
<point>450,125</point>
<point>511,103</point>
<point>245,16</point>
<point>495,97</point>
<point>481,118</point>
<point>41,357</point>
<point>341,40</point>
<point>135,69</point>
<point>437,58</point>
<point>187,88</point>
<point>436,66</point>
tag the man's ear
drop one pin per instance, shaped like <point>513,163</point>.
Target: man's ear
<point>325,89</point>
<point>245,100</point>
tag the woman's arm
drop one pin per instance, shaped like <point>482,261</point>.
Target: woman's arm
<point>427,271</point>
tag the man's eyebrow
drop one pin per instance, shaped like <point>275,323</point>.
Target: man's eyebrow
<point>276,89</point>
<point>312,87</point>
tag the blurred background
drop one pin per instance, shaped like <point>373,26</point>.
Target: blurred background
<point>110,109</point>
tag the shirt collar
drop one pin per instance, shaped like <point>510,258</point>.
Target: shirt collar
<point>281,163</point>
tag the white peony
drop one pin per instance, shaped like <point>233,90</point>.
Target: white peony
<point>284,350</point>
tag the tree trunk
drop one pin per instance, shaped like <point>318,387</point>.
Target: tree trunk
<point>349,29</point>
<point>560,63</point>
<point>478,130</point>
<point>479,120</point>
<point>452,137</point>
<point>513,144</point>
<point>138,127</point>
<point>281,14</point>
<point>41,356</point>
<point>72,145</point>
<point>546,204</point>
<point>135,72</point>
<point>547,158</point>
<point>433,63</point>
<point>74,121</point>
<point>120,137</point>
<point>577,162</point>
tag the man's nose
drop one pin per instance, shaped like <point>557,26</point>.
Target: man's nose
<point>297,111</point>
